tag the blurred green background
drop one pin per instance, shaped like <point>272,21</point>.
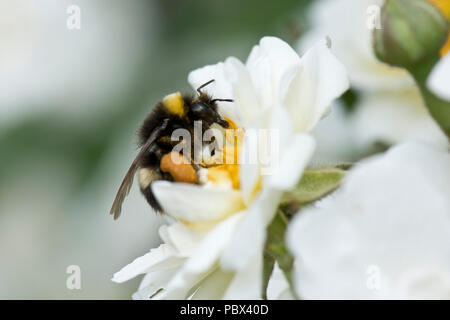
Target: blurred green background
<point>70,104</point>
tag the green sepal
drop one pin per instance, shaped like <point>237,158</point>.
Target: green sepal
<point>314,185</point>
<point>411,32</point>
<point>412,35</point>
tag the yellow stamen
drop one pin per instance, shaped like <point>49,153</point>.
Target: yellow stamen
<point>226,169</point>
<point>231,124</point>
<point>226,172</point>
<point>256,189</point>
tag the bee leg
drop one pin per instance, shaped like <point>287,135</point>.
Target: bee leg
<point>166,142</point>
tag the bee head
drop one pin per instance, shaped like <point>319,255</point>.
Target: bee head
<point>201,111</point>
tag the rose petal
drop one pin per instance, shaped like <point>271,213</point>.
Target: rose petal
<point>201,263</point>
<point>153,282</point>
<point>161,258</point>
<point>220,88</point>
<point>267,64</point>
<point>214,286</point>
<point>320,79</point>
<point>278,287</point>
<point>439,80</point>
<point>181,238</point>
<point>246,100</point>
<point>394,118</point>
<point>383,234</point>
<point>195,203</point>
<point>346,23</point>
<point>249,237</point>
<point>247,282</point>
<point>294,159</point>
<point>249,169</point>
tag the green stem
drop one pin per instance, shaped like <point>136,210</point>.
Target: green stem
<point>277,250</point>
<point>269,264</point>
<point>439,109</point>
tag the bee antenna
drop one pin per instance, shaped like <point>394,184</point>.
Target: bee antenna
<point>224,100</point>
<point>199,89</point>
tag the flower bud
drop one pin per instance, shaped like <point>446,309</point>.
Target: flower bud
<point>412,31</point>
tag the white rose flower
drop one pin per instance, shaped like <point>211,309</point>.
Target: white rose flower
<point>214,248</point>
<point>390,108</point>
<point>383,235</point>
<point>439,80</point>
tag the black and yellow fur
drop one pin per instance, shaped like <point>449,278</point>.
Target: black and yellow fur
<point>173,112</point>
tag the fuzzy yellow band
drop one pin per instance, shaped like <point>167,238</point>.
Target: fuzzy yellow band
<point>174,103</point>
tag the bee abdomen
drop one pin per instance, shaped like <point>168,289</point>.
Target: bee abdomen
<point>146,176</point>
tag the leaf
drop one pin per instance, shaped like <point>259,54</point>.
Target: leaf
<point>314,185</point>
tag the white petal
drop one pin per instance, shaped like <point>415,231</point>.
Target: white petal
<point>213,244</point>
<point>182,239</point>
<point>280,54</point>
<point>202,262</point>
<point>293,160</point>
<point>383,234</point>
<point>246,100</point>
<point>249,169</point>
<point>249,237</point>
<point>247,282</point>
<point>214,286</point>
<point>161,258</point>
<point>195,203</point>
<point>259,69</point>
<point>281,132</point>
<point>278,287</point>
<point>153,282</point>
<point>393,118</point>
<point>320,79</point>
<point>262,151</point>
<point>220,88</point>
<point>345,22</point>
<point>439,80</point>
<point>267,64</point>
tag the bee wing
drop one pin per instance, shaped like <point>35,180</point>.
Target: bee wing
<point>127,181</point>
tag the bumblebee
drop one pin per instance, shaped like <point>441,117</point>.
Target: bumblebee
<point>173,112</point>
